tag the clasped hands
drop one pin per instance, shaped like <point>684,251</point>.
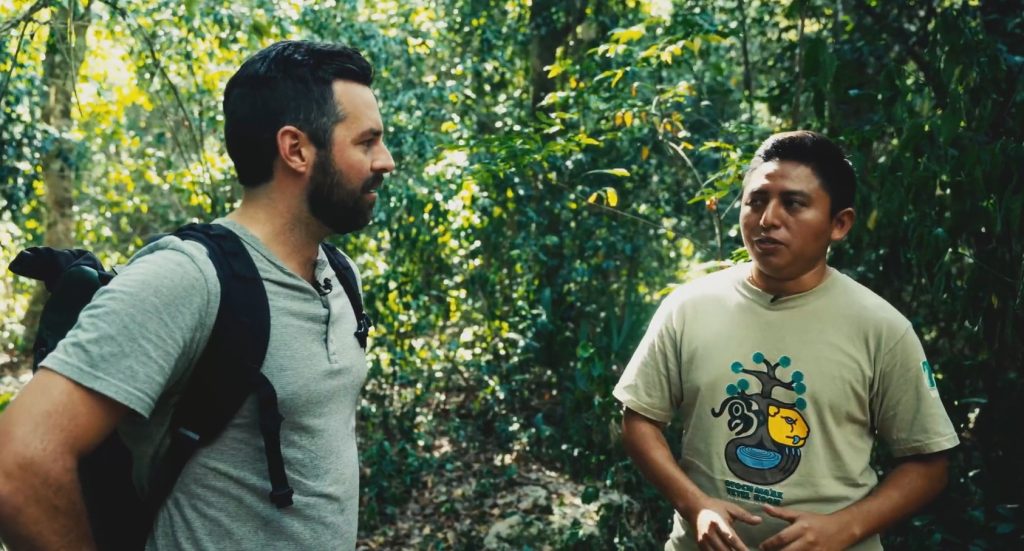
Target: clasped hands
<point>805,531</point>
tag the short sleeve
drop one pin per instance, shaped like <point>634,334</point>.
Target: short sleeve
<point>651,384</point>
<point>906,409</point>
<point>144,329</point>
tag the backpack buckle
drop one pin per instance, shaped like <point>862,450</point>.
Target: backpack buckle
<point>187,437</point>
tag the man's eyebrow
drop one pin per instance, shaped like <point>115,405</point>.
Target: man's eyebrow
<point>370,133</point>
<point>790,194</point>
<point>796,193</point>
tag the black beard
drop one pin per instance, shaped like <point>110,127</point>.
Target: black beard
<point>340,208</point>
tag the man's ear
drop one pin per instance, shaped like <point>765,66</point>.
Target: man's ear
<point>842,222</point>
<point>294,150</point>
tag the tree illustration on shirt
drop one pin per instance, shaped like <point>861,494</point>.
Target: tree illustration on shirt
<point>769,432</point>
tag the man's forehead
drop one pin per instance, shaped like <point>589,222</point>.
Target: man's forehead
<point>359,105</point>
<point>781,176</point>
<point>352,96</point>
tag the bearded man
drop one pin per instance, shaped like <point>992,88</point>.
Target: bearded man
<point>303,129</point>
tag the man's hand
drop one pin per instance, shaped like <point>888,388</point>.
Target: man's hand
<point>712,518</point>
<point>714,522</point>
<point>807,531</point>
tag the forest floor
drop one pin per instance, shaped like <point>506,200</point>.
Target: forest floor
<point>470,506</point>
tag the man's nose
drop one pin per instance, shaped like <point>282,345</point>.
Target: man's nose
<point>770,216</point>
<point>384,163</point>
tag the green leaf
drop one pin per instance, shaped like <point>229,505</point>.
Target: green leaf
<point>590,495</point>
<point>584,350</point>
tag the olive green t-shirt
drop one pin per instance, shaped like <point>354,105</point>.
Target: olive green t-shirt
<point>781,400</point>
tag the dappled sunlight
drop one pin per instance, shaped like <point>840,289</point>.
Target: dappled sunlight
<point>560,168</point>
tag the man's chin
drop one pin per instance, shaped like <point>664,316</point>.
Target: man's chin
<point>342,227</point>
<point>772,266</point>
<point>768,263</point>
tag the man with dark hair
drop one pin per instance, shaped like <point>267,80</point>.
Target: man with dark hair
<point>784,371</point>
<point>304,131</point>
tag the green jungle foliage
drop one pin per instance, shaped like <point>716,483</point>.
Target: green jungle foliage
<point>562,165</point>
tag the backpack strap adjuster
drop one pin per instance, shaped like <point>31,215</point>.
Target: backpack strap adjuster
<point>188,436</point>
<point>343,270</point>
<point>282,498</point>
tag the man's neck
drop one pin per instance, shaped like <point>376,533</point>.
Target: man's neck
<point>784,287</point>
<point>293,242</point>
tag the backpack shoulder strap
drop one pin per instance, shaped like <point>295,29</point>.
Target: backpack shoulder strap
<point>228,370</point>
<point>347,276</point>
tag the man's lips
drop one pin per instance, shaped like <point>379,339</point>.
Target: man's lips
<point>373,184</point>
<point>764,241</point>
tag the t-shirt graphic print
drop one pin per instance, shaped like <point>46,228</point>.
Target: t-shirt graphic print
<point>770,432</point>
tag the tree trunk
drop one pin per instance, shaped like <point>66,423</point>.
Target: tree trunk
<point>65,50</point>
<point>551,22</point>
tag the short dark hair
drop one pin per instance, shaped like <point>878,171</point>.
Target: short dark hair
<point>287,83</point>
<point>825,159</point>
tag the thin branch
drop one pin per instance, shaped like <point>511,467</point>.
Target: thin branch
<point>1020,291</point>
<point>14,62</point>
<point>799,68</point>
<point>29,13</point>
<point>988,268</point>
<point>716,220</point>
<point>636,218</point>
<point>748,78</point>
<point>1010,95</point>
<point>71,38</point>
<point>679,151</point>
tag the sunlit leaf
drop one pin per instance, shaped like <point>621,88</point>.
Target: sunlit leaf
<point>618,77</point>
<point>623,36</point>
<point>613,196</point>
<point>715,144</point>
<point>651,51</point>
<point>620,172</point>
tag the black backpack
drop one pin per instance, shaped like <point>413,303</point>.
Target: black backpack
<point>227,372</point>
